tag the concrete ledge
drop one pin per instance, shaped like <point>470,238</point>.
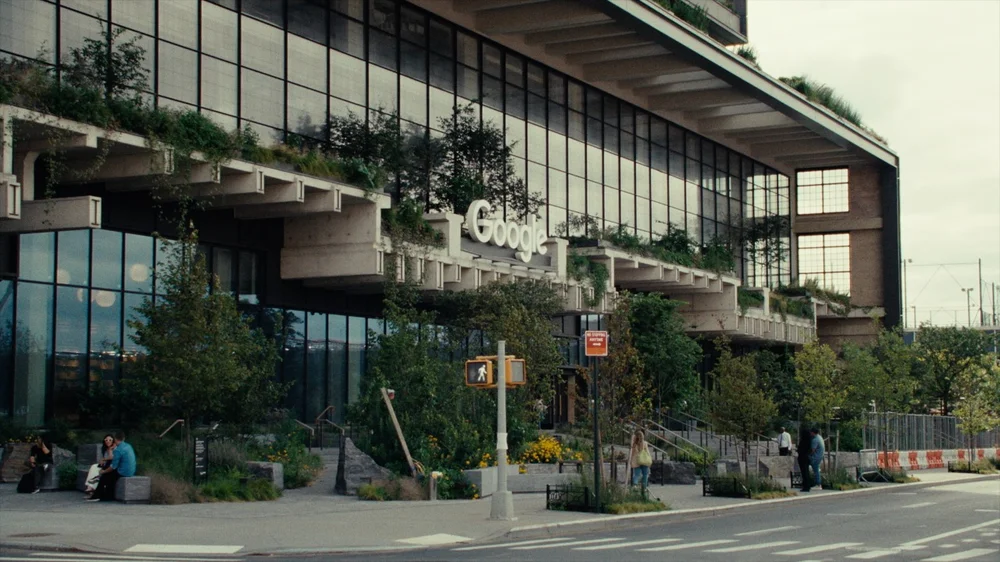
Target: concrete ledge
<point>133,489</point>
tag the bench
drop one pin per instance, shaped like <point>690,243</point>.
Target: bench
<point>133,489</point>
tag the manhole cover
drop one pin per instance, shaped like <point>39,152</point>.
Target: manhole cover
<point>32,535</point>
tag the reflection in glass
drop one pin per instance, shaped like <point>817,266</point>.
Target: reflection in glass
<point>132,304</point>
<point>71,352</point>
<point>293,360</point>
<point>306,67</point>
<point>107,259</point>
<point>138,263</point>
<point>37,256</point>
<point>263,47</point>
<point>218,32</point>
<point>356,338</point>
<point>73,265</point>
<point>6,345</point>
<point>315,379</point>
<point>337,366</point>
<point>179,22</point>
<point>218,85</point>
<point>33,352</point>
<point>262,100</point>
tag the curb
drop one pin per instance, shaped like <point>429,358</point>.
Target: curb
<point>612,522</point>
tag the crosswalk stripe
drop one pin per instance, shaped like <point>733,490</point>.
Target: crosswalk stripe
<point>626,544</point>
<point>974,553</point>
<point>759,546</point>
<point>564,544</point>
<point>85,558</point>
<point>955,532</point>
<point>185,548</point>
<point>871,554</point>
<point>820,548</point>
<point>508,544</point>
<point>687,545</point>
<point>916,505</point>
<point>767,531</point>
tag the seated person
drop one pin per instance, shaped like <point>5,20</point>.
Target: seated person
<point>122,466</point>
<point>94,474</point>
<point>40,460</point>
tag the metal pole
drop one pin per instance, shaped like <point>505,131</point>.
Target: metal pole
<point>980,289</point>
<point>905,323</point>
<point>502,503</point>
<point>597,442</point>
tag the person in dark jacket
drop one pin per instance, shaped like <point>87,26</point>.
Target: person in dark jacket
<point>40,461</point>
<point>802,450</point>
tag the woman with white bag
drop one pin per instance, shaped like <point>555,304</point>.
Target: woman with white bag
<point>94,474</point>
<point>640,459</point>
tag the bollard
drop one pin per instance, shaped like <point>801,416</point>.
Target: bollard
<point>433,493</point>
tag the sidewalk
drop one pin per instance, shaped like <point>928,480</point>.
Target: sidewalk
<point>315,520</point>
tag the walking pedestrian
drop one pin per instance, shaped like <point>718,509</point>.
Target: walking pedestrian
<point>784,443</point>
<point>816,452</point>
<point>640,459</point>
<point>802,450</point>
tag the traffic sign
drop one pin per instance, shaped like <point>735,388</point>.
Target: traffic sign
<point>595,343</point>
<point>479,373</point>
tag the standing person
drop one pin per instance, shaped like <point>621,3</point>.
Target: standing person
<point>122,466</point>
<point>640,459</point>
<point>805,442</point>
<point>784,443</point>
<point>816,452</point>
<point>94,474</point>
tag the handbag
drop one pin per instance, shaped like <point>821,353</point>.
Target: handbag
<point>644,458</point>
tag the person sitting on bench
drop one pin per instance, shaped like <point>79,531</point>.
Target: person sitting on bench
<point>94,474</point>
<point>122,466</point>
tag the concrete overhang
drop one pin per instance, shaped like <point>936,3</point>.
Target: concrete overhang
<point>643,53</point>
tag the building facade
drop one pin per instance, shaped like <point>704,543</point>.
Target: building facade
<point>617,111</point>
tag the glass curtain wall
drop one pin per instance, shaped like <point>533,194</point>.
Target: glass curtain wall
<point>286,66</point>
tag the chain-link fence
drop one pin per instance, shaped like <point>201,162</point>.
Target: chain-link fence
<point>919,432</point>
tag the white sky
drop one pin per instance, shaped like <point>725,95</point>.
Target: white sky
<point>924,74</point>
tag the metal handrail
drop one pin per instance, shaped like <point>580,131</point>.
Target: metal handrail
<point>311,430</point>
<point>330,408</point>
<point>177,421</point>
<point>659,427</point>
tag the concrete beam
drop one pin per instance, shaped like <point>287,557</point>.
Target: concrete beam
<point>708,98</point>
<point>639,275</point>
<point>327,262</point>
<point>753,135</point>
<point>328,202</point>
<point>202,174</point>
<point>685,86</point>
<point>233,184</point>
<point>625,54</point>
<point>124,166</point>
<point>580,33</point>
<point>65,213</point>
<point>480,5</point>
<point>537,17</point>
<point>623,70</point>
<point>589,45</point>
<point>818,160</point>
<point>281,192</point>
<point>727,110</point>
<point>666,79</point>
<point>10,198</point>
<point>762,137</point>
<point>75,141</point>
<point>757,121</point>
<point>792,148</point>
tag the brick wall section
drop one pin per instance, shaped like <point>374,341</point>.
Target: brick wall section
<point>864,223</point>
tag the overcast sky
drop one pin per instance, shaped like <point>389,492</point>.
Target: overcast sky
<point>924,74</point>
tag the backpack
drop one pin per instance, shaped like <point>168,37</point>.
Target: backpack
<point>27,483</point>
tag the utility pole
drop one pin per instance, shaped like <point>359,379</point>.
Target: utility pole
<point>981,291</point>
<point>502,503</point>
<point>968,306</point>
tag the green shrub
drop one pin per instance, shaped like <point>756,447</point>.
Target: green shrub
<point>168,490</point>
<point>995,461</point>
<point>257,490</point>
<point>226,455</point>
<point>897,475</point>
<point>981,466</point>
<point>839,479</point>
<point>395,489</point>
<point>371,492</point>
<point>224,488</point>
<point>635,507</point>
<point>772,495</point>
<point>162,456</point>
<point>66,472</point>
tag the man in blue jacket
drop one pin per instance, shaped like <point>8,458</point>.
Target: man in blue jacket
<point>122,466</point>
<point>816,452</point>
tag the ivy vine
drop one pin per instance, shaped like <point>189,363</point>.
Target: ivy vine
<point>595,274</point>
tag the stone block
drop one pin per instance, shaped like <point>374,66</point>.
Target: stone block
<point>678,473</point>
<point>273,472</point>
<point>535,483</point>
<point>134,489</point>
<point>88,454</point>
<point>541,468</point>
<point>15,461</point>
<point>60,455</point>
<point>355,468</point>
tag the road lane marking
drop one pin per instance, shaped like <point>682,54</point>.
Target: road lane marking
<point>970,540</point>
<point>508,544</point>
<point>434,540</point>
<point>82,555</point>
<point>688,545</point>
<point>987,510</point>
<point>820,548</point>
<point>874,554</point>
<point>759,546</point>
<point>974,553</point>
<point>955,532</point>
<point>916,505</point>
<point>767,531</point>
<point>562,544</point>
<point>625,544</point>
<point>904,493</point>
<point>185,548</point>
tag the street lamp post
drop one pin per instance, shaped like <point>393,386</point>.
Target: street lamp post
<point>905,323</point>
<point>968,305</point>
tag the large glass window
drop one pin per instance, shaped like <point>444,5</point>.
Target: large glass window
<point>178,20</point>
<point>336,393</point>
<point>33,352</point>
<point>178,73</point>
<point>7,330</point>
<point>262,99</point>
<point>357,336</point>
<point>218,32</point>
<point>316,361</point>
<point>827,259</point>
<point>70,351</point>
<point>37,256</point>
<point>822,191</point>
<point>29,27</point>
<point>263,47</point>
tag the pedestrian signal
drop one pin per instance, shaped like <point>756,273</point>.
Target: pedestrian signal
<point>515,372</point>
<point>479,373</point>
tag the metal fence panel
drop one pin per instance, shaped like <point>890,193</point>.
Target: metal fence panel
<point>921,432</point>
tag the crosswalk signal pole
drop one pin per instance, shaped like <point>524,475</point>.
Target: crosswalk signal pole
<point>597,442</point>
<point>502,503</point>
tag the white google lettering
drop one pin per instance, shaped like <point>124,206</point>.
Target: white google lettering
<point>526,239</point>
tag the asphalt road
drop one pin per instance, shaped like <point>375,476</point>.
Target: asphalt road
<point>941,524</point>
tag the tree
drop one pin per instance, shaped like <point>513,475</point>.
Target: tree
<point>777,373</point>
<point>946,352</point>
<point>979,398</point>
<point>109,64</point>
<point>201,358</point>
<point>626,391</point>
<point>823,391</point>
<point>472,161</point>
<point>668,356</point>
<point>739,406</point>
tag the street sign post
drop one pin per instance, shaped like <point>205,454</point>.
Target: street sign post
<point>596,346</point>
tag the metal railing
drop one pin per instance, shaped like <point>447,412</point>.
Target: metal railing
<point>921,432</point>
<point>173,425</point>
